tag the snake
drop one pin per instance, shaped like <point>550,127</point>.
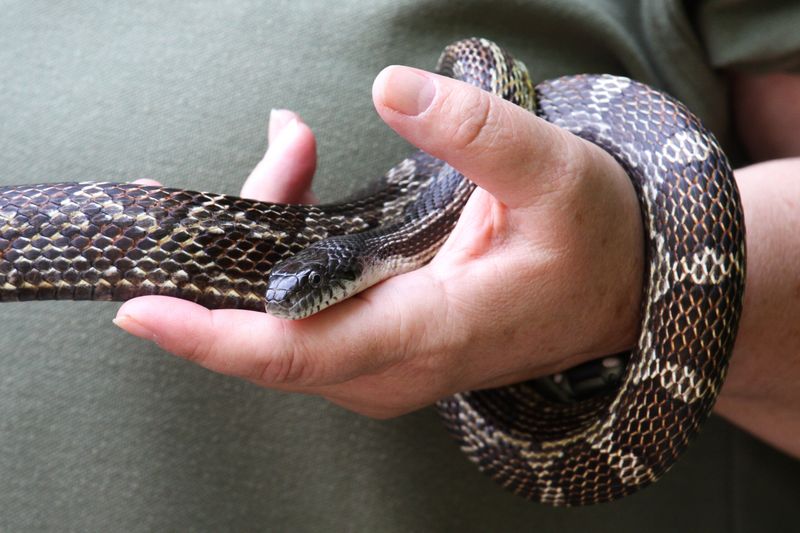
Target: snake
<point>116,241</point>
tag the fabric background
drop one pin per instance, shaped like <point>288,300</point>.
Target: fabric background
<point>101,431</point>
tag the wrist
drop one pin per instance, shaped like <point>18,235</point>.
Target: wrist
<point>770,194</point>
<point>621,263</point>
<point>760,393</point>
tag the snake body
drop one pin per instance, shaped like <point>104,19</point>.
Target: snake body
<point>111,241</point>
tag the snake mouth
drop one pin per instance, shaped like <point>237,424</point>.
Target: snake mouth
<point>290,295</point>
<point>315,278</point>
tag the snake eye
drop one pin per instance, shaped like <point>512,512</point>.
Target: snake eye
<point>315,279</point>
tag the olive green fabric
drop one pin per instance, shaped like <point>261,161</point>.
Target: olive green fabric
<point>101,431</point>
<point>750,35</point>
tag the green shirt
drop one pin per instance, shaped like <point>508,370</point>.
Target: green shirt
<point>102,431</point>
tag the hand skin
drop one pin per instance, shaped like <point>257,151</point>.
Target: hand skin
<point>543,271</point>
<point>762,392</point>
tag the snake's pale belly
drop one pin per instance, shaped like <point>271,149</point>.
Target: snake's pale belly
<point>117,241</point>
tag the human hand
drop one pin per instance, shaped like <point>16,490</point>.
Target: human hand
<point>542,272</point>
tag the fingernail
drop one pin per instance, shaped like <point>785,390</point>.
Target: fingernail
<point>130,325</point>
<point>285,136</point>
<point>147,182</point>
<point>406,90</point>
<point>289,129</point>
<point>279,119</point>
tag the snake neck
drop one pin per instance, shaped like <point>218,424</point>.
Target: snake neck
<point>339,267</point>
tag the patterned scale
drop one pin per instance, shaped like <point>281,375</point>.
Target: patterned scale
<point>603,448</point>
<point>110,241</point>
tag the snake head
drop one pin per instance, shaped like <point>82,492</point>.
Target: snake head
<point>312,280</point>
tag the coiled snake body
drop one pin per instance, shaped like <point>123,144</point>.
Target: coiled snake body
<point>111,241</point>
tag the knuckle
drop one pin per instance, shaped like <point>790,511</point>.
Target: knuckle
<point>283,370</point>
<point>208,349</point>
<point>574,157</point>
<point>198,349</point>
<point>567,163</point>
<point>476,126</point>
<point>198,352</point>
<point>289,364</point>
<point>396,341</point>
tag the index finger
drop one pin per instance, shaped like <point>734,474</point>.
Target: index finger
<point>362,335</point>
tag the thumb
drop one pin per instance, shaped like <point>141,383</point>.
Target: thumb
<point>503,148</point>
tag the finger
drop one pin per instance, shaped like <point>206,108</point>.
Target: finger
<point>146,181</point>
<point>278,120</point>
<point>284,174</point>
<point>503,148</point>
<point>359,336</point>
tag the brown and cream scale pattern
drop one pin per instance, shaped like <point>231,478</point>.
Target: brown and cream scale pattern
<point>691,306</point>
<point>116,241</point>
<point>111,241</point>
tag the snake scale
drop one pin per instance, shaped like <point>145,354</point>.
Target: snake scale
<point>113,241</point>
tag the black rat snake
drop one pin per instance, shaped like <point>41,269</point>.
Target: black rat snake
<point>111,241</point>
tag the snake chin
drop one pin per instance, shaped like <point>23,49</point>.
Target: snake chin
<point>312,280</point>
